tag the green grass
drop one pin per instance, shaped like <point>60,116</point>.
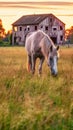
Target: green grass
<point>30,102</point>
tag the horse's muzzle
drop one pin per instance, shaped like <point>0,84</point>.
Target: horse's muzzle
<point>54,73</point>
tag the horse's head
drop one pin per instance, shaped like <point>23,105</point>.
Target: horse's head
<point>53,59</point>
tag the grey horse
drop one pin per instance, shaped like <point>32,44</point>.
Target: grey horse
<point>39,45</point>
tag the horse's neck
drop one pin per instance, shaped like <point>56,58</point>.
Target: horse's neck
<point>44,47</point>
<point>47,43</point>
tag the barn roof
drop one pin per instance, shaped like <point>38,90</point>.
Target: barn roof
<point>32,19</point>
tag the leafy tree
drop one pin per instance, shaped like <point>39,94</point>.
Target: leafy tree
<point>9,36</point>
<point>2,33</point>
<point>69,35</point>
<point>2,30</point>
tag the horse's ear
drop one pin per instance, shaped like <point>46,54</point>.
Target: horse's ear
<point>51,48</point>
<point>57,48</point>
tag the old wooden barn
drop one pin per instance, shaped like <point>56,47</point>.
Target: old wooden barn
<point>49,23</point>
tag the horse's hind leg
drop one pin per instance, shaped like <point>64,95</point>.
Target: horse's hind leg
<point>33,60</point>
<point>40,65</point>
<point>29,63</point>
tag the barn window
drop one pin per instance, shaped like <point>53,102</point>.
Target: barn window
<point>54,29</point>
<point>28,28</point>
<point>41,26</point>
<point>46,28</point>
<point>61,28</point>
<point>61,37</point>
<point>15,28</point>
<point>24,29</point>
<point>20,28</point>
<point>50,19</point>
<point>35,27</point>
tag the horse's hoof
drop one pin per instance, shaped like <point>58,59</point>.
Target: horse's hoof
<point>33,72</point>
<point>39,75</point>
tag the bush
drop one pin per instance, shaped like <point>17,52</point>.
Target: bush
<point>1,42</point>
<point>7,41</point>
<point>4,43</point>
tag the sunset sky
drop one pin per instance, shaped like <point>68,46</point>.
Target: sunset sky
<point>11,10</point>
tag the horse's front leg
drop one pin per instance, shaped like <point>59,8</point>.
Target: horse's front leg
<point>33,59</point>
<point>40,65</point>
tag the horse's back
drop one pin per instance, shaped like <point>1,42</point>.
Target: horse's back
<point>33,41</point>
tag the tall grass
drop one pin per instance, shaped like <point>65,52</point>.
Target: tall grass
<point>30,102</point>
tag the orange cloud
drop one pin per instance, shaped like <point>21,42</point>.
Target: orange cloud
<point>33,4</point>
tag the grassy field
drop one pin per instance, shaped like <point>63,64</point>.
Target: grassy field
<point>30,102</point>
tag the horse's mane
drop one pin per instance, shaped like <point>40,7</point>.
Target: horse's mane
<point>49,39</point>
<point>40,31</point>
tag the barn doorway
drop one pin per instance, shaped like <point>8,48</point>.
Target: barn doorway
<point>54,39</point>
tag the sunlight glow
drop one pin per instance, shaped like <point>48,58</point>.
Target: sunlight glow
<point>11,11</point>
